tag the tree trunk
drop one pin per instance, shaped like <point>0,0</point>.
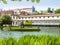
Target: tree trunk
<point>9,27</point>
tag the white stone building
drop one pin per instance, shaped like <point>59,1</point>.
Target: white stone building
<point>50,19</point>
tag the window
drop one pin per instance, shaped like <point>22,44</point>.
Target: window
<point>16,22</point>
<point>39,17</point>
<point>19,18</point>
<point>44,17</point>
<point>22,17</point>
<point>25,17</point>
<point>28,17</point>
<point>48,16</point>
<point>57,16</point>
<point>16,17</point>
<point>13,17</point>
<point>32,17</point>
<point>52,16</point>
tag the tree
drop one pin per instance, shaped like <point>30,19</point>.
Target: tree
<point>35,12</point>
<point>57,11</point>
<point>48,10</point>
<point>6,19</point>
<point>5,1</point>
<point>41,12</point>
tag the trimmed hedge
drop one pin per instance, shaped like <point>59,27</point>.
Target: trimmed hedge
<point>18,28</point>
<point>26,29</point>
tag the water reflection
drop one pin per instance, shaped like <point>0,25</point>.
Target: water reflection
<point>55,31</point>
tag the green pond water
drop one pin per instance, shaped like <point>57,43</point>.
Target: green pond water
<point>54,31</point>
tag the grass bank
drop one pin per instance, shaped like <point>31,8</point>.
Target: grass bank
<point>32,40</point>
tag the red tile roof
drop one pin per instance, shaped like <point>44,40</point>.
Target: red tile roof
<point>24,9</point>
<point>39,15</point>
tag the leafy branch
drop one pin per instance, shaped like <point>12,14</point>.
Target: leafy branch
<point>5,1</point>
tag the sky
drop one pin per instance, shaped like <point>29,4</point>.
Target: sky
<point>43,5</point>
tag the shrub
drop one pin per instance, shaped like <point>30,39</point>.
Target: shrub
<point>18,28</point>
<point>27,23</point>
<point>26,29</point>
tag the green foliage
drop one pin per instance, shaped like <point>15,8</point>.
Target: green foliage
<point>3,41</point>
<point>57,11</point>
<point>6,28</point>
<point>19,0</point>
<point>11,41</point>
<point>4,1</point>
<point>27,0</point>
<point>15,27</point>
<point>33,0</point>
<point>16,0</point>
<point>35,13</point>
<point>41,12</point>
<point>18,28</point>
<point>12,0</point>
<point>6,19</point>
<point>39,40</point>
<point>26,29</point>
<point>37,1</point>
<point>48,10</point>
<point>27,23</point>
<point>32,40</point>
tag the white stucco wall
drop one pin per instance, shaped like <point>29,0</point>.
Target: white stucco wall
<point>37,18</point>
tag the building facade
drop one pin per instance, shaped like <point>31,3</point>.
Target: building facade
<point>17,15</point>
<point>37,19</point>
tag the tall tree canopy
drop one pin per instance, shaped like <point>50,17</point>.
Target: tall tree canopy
<point>6,19</point>
<point>48,10</point>
<point>5,1</point>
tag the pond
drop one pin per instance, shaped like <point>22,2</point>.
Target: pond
<point>54,31</point>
